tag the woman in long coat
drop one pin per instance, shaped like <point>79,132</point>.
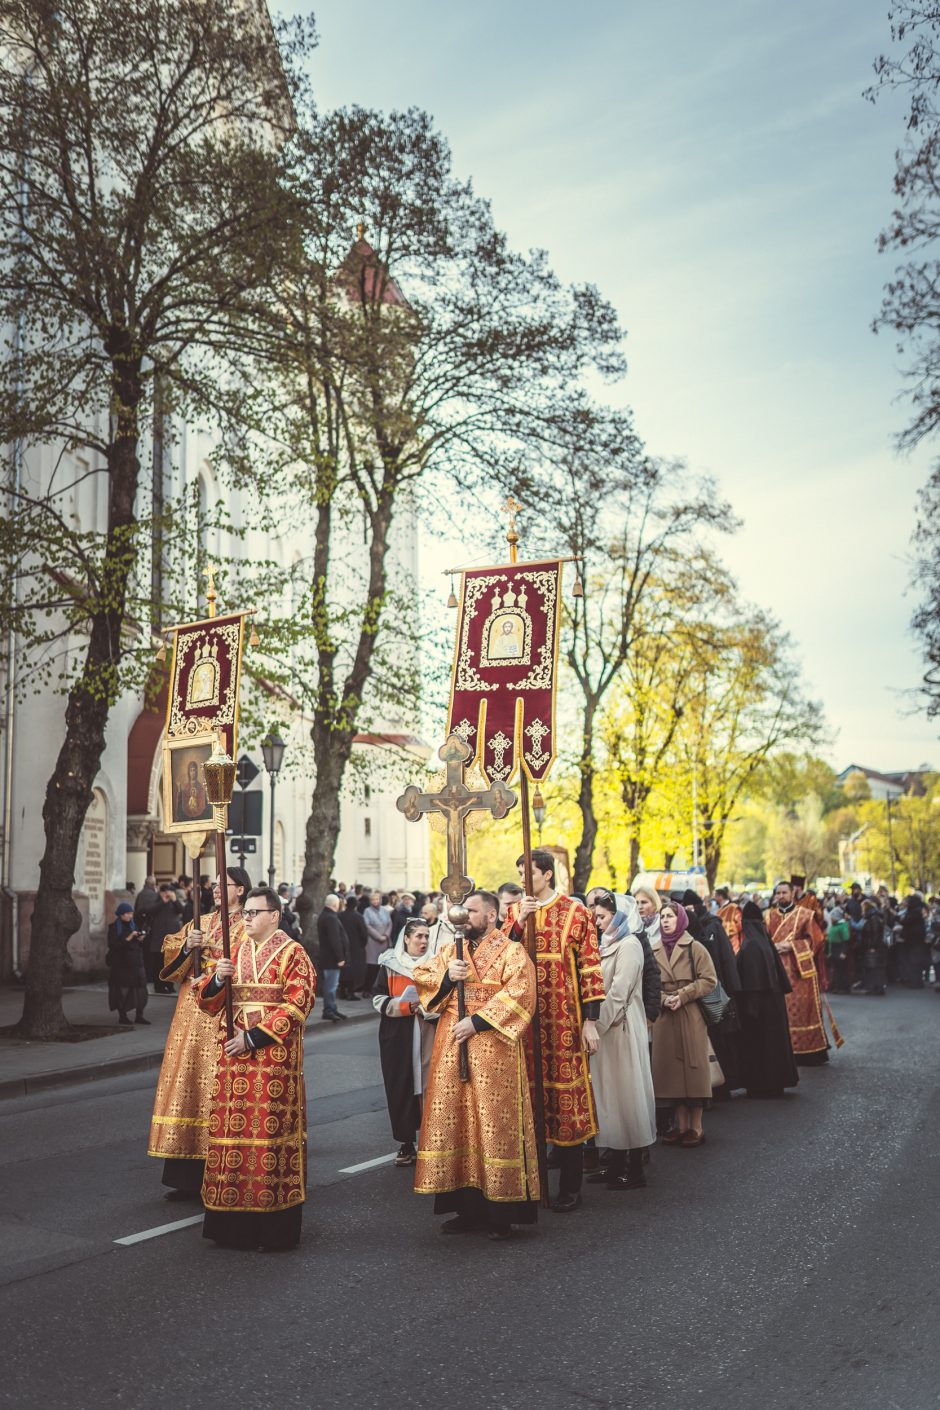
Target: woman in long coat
<point>681,1078</point>
<point>767,1061</point>
<point>127,975</point>
<point>402,1032</point>
<point>620,1069</point>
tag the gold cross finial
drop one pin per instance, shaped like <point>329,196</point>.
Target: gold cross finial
<point>209,573</point>
<point>512,507</point>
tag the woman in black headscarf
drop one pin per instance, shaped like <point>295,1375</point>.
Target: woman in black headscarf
<point>766,1053</point>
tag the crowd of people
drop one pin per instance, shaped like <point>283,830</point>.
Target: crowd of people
<point>645,1010</point>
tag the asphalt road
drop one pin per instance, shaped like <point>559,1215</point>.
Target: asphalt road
<point>789,1263</point>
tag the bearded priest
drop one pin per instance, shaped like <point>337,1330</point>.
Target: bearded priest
<point>256,1163</point>
<point>477,1152</point>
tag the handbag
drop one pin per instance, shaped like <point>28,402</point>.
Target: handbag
<point>717,1003</point>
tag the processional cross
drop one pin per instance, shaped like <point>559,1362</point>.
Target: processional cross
<point>454,802</point>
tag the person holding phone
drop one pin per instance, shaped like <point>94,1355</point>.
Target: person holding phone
<point>127,976</point>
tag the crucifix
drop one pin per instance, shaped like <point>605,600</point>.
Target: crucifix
<point>454,801</point>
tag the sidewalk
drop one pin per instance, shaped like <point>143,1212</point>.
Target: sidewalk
<point>26,1067</point>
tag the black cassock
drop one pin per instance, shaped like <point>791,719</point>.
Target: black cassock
<point>765,1050</point>
<point>396,1054</point>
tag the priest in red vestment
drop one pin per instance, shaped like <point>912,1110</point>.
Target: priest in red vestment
<point>477,1151</point>
<point>256,1163</point>
<point>799,942</point>
<point>571,990</point>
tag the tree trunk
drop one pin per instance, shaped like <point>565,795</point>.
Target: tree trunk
<point>69,791</point>
<point>584,855</point>
<point>634,859</point>
<point>335,721</point>
<point>331,755</point>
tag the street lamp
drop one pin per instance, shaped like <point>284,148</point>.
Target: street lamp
<point>539,809</point>
<point>272,751</point>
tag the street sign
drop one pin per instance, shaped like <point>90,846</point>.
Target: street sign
<point>243,846</point>
<point>246,772</point>
<point>244,814</point>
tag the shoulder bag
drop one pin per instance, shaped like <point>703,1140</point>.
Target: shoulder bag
<point>717,1003</point>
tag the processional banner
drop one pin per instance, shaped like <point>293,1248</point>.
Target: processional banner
<point>502,699</point>
<point>202,713</point>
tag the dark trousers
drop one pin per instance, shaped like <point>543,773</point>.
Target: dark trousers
<point>369,981</point>
<point>571,1166</point>
<point>154,966</point>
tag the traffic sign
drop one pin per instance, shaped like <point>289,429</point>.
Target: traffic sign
<point>244,846</point>
<point>246,772</point>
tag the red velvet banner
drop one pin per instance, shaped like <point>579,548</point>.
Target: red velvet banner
<point>205,679</point>
<point>502,699</point>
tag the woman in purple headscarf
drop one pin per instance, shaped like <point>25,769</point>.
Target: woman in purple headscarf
<point>681,1078</point>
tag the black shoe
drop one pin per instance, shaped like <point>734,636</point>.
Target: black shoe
<point>330,1018</point>
<point>343,1016</point>
<point>139,1019</point>
<point>501,1235</point>
<point>565,1204</point>
<point>124,1021</point>
<point>459,1225</point>
<point>181,1196</point>
<point>407,1155</point>
<point>627,1182</point>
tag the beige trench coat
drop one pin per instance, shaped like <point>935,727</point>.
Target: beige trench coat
<point>680,1039</point>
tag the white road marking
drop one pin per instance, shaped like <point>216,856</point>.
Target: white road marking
<point>367,1165</point>
<point>161,1229</point>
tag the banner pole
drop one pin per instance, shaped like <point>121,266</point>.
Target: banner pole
<point>531,940</point>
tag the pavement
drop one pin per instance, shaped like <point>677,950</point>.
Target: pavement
<point>788,1264</point>
<point>27,1067</point>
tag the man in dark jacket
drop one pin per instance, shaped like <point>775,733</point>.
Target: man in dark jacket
<point>353,974</point>
<point>331,942</point>
<point>166,920</point>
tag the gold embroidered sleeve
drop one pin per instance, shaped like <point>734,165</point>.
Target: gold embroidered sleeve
<point>176,963</point>
<point>429,977</point>
<point>510,1010</point>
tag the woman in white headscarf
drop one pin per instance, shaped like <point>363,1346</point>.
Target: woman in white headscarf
<point>402,1030</point>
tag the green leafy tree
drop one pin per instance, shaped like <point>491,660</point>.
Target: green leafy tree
<point>138,177</point>
<point>419,364</point>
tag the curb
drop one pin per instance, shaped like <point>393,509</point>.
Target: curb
<point>143,1062</point>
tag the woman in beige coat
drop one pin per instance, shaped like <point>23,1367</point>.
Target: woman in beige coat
<point>681,1077</point>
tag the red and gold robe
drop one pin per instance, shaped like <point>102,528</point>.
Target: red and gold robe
<point>179,1127</point>
<point>733,922</point>
<point>257,1149</point>
<point>480,1134</point>
<point>568,962</point>
<point>804,1006</point>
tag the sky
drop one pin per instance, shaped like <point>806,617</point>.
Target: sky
<point>715,170</point>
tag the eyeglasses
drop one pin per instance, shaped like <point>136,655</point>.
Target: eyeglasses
<point>264,911</point>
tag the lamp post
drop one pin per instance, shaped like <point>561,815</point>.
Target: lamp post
<point>272,751</point>
<point>539,809</point>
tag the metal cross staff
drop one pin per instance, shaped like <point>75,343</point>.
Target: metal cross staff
<point>454,802</point>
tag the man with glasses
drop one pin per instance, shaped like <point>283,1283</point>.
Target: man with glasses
<point>256,1165</point>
